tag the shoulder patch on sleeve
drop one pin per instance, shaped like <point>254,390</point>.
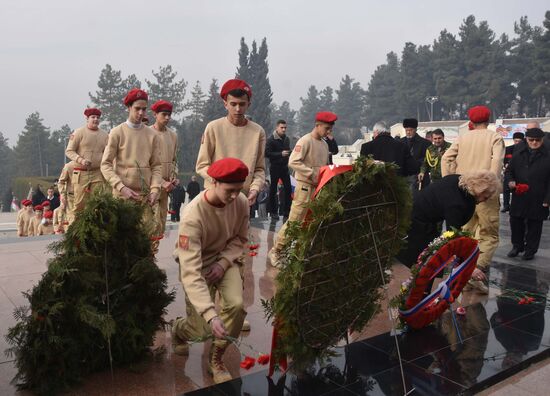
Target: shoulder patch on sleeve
<point>298,148</point>
<point>184,242</point>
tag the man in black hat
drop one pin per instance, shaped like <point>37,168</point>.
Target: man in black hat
<point>508,153</point>
<point>529,178</point>
<point>417,146</point>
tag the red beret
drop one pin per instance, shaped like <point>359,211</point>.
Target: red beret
<point>48,214</point>
<point>479,114</point>
<point>26,202</point>
<point>162,105</point>
<point>46,203</point>
<point>133,95</point>
<point>231,85</point>
<point>228,170</point>
<point>92,111</point>
<point>38,208</point>
<point>326,116</point>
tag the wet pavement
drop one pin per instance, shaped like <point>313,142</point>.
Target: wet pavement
<point>499,335</point>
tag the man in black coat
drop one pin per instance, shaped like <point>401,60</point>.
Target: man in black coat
<point>529,178</point>
<point>385,148</point>
<point>417,146</point>
<point>277,150</point>
<point>509,152</point>
<point>193,188</point>
<point>177,198</point>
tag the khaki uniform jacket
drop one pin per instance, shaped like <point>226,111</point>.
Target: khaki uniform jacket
<point>221,139</point>
<point>308,156</point>
<point>132,159</point>
<point>475,150</point>
<point>64,184</point>
<point>59,220</point>
<point>208,235</point>
<point>23,220</point>
<point>32,230</point>
<point>168,152</point>
<point>86,144</point>
<point>44,229</point>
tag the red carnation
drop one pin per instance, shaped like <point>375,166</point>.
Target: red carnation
<point>461,311</point>
<point>263,359</point>
<point>248,362</point>
<point>523,301</point>
<point>521,189</point>
<point>172,212</point>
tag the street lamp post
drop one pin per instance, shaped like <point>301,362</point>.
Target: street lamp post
<point>431,100</point>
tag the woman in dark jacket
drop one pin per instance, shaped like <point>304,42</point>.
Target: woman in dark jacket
<point>530,166</point>
<point>451,199</point>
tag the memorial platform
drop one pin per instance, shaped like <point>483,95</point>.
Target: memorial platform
<point>500,337</point>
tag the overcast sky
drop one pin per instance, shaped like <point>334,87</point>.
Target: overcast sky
<point>51,52</point>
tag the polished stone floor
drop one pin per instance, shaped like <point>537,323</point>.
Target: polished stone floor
<point>499,335</point>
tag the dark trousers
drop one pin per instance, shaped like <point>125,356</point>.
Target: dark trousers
<point>275,174</point>
<point>526,233</point>
<point>176,215</point>
<point>505,195</point>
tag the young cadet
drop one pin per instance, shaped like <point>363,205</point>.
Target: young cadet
<point>237,137</point>
<point>85,148</point>
<point>46,225</point>
<point>32,229</point>
<point>131,161</point>
<point>66,191</point>
<point>309,155</point>
<point>168,148</point>
<point>60,219</point>
<point>24,217</point>
<point>213,233</point>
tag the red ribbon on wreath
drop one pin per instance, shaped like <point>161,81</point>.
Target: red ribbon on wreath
<point>521,189</point>
<point>421,310</point>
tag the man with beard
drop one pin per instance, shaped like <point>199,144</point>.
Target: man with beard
<point>417,146</point>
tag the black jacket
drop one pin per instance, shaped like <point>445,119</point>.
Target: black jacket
<point>417,146</point>
<point>178,195</point>
<point>533,170</point>
<point>193,189</point>
<point>332,148</point>
<point>387,149</point>
<point>442,200</point>
<point>274,147</point>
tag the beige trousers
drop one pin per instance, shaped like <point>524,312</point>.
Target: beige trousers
<point>232,311</point>
<point>162,210</point>
<point>84,183</point>
<point>484,226</point>
<point>303,193</point>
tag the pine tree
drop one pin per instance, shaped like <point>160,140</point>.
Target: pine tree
<point>542,66</point>
<point>416,82</point>
<point>326,98</point>
<point>284,112</point>
<point>7,168</point>
<point>31,148</point>
<point>167,87</point>
<point>109,97</point>
<point>349,106</point>
<point>382,97</point>
<point>243,70</point>
<point>311,105</point>
<point>213,106</point>
<point>196,104</point>
<point>56,149</point>
<point>522,63</point>
<point>448,75</point>
<point>101,298</point>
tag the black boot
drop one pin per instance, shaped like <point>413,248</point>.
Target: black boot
<point>514,252</point>
<point>528,256</point>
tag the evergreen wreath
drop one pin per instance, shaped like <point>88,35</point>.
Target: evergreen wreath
<point>330,281</point>
<point>99,303</point>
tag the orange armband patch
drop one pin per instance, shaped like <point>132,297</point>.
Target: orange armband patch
<point>298,149</point>
<point>184,242</point>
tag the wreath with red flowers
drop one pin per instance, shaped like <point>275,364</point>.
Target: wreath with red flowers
<point>453,255</point>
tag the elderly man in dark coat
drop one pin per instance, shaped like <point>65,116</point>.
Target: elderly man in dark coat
<point>529,179</point>
<point>417,146</point>
<point>385,148</point>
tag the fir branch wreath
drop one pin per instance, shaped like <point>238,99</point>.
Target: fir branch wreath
<point>330,279</point>
<point>99,303</point>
